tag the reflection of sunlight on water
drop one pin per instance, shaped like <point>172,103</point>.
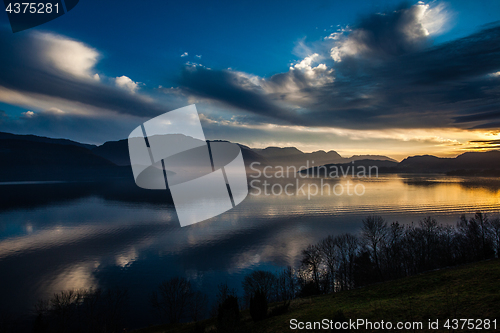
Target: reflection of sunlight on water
<point>386,194</point>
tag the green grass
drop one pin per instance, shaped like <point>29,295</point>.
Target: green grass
<point>469,291</point>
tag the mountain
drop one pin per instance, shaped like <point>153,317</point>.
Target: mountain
<point>30,157</point>
<point>369,157</point>
<point>465,161</point>
<point>35,138</point>
<point>335,170</point>
<point>471,163</point>
<point>117,152</point>
<point>291,156</point>
<point>114,151</point>
<point>29,160</point>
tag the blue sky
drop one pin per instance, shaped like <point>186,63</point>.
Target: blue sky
<point>257,37</point>
<point>262,73</point>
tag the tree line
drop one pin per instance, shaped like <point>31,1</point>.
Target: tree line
<point>380,251</point>
<point>383,251</point>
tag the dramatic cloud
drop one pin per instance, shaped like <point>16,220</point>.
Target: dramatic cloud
<point>382,72</point>
<point>382,36</point>
<point>380,82</point>
<point>41,68</point>
<point>230,87</point>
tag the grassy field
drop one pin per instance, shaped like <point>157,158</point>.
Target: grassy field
<point>465,292</point>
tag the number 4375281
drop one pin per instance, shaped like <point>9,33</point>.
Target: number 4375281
<point>470,324</point>
<point>32,8</point>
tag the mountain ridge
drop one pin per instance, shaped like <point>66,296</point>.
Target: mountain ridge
<point>34,154</point>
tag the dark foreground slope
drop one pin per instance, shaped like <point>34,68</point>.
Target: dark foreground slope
<point>469,291</point>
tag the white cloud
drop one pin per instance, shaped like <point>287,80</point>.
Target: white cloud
<point>185,54</point>
<point>126,83</point>
<point>28,114</point>
<point>198,56</point>
<point>67,55</point>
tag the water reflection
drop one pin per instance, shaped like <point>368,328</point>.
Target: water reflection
<point>73,235</point>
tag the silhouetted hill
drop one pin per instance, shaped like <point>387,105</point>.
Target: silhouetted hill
<point>369,157</point>
<point>293,156</point>
<point>341,169</point>
<point>30,157</point>
<point>35,138</point>
<point>250,156</point>
<point>289,156</point>
<point>22,160</point>
<point>469,161</point>
<point>115,151</point>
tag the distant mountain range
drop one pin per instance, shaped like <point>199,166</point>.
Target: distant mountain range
<point>31,157</point>
<point>466,164</point>
<point>291,156</point>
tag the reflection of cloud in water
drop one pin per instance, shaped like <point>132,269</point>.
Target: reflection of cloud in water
<point>77,276</point>
<point>138,244</point>
<point>126,258</point>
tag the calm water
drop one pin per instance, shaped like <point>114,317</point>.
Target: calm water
<point>59,236</point>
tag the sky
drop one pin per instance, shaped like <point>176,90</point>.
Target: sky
<point>358,77</point>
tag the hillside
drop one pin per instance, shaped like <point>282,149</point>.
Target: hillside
<point>35,138</point>
<point>31,157</point>
<point>465,161</point>
<point>469,291</point>
<point>471,163</point>
<point>117,152</point>
<point>29,160</point>
<point>291,156</point>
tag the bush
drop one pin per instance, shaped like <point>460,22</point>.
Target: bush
<point>258,306</point>
<point>228,315</point>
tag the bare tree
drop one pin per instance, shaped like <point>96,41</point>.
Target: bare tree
<point>311,261</point>
<point>374,232</point>
<point>328,248</point>
<point>172,299</point>
<point>495,233</point>
<point>259,281</point>
<point>286,284</point>
<point>347,245</point>
<point>223,293</point>
<point>85,310</point>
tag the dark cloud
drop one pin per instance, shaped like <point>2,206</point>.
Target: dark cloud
<point>389,76</point>
<point>389,34</point>
<point>230,88</point>
<point>485,144</point>
<point>24,68</point>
